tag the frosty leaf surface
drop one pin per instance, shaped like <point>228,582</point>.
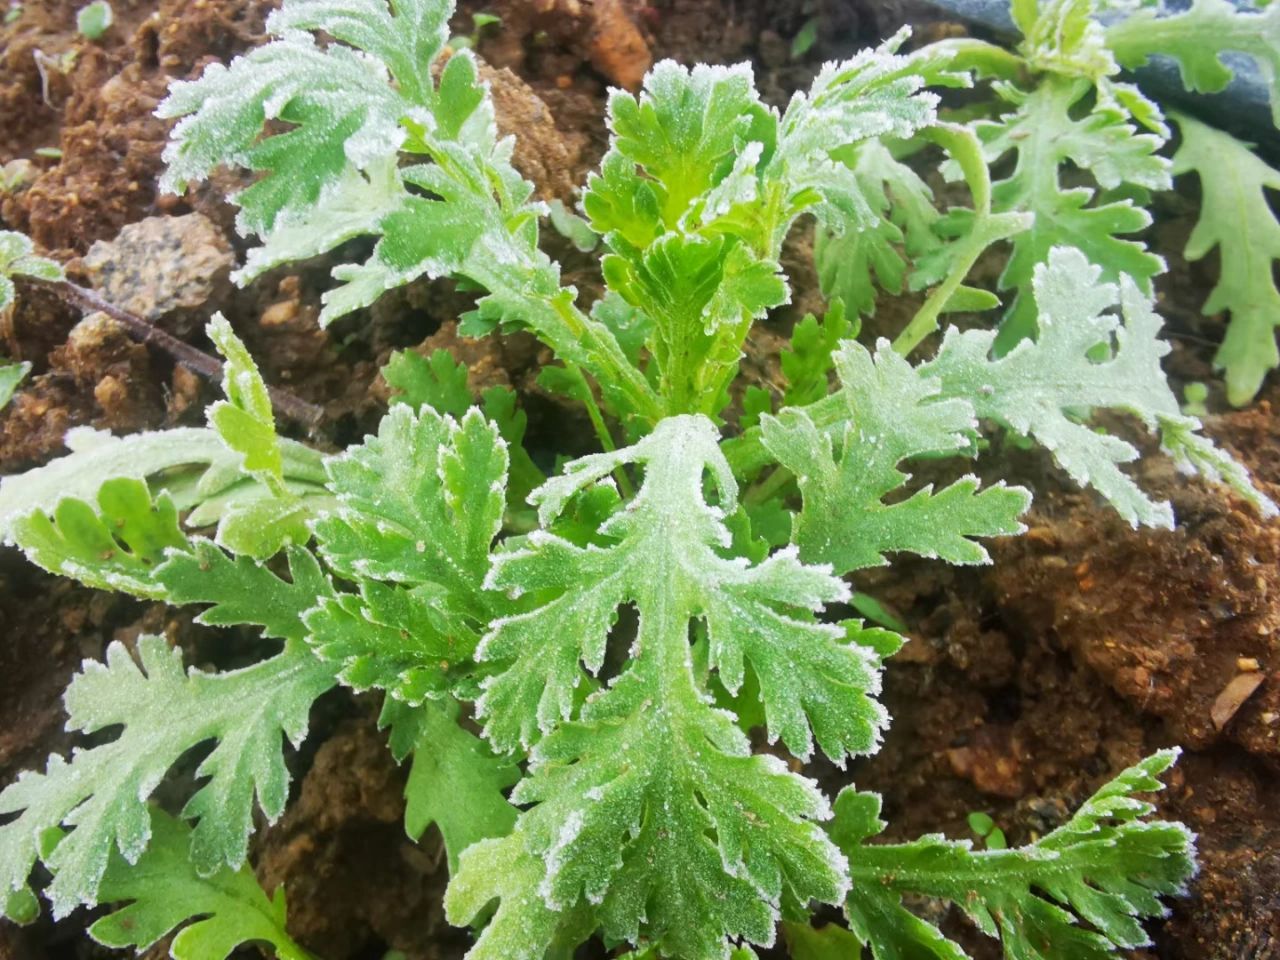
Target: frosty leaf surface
<point>853,264</point>
<point>164,891</point>
<point>1038,388</point>
<point>163,712</point>
<point>1107,866</point>
<point>417,509</point>
<point>892,412</point>
<point>1236,218</point>
<point>1203,40</point>
<point>647,802</point>
<point>1044,136</point>
<point>192,465</point>
<point>419,503</point>
<point>338,112</point>
<point>113,546</point>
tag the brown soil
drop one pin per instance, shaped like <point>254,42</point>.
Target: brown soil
<point>1026,685</point>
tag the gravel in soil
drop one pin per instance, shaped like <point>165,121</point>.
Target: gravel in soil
<point>1025,685</point>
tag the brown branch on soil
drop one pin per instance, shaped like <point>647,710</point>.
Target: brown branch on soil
<point>197,361</point>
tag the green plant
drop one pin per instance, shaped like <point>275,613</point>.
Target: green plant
<point>1085,157</point>
<point>436,563</point>
<point>95,19</point>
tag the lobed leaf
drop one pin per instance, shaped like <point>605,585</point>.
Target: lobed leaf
<point>455,781</point>
<point>162,712</point>
<point>1038,388</point>
<point>1044,136</point>
<point>889,412</point>
<point>1203,39</point>
<point>649,804</point>
<point>217,913</point>
<point>1236,217</point>
<point>1107,866</point>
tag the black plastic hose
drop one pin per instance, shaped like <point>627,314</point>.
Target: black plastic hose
<point>1243,108</point>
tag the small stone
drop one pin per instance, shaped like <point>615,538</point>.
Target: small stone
<point>1247,664</point>
<point>1233,697</point>
<point>165,269</point>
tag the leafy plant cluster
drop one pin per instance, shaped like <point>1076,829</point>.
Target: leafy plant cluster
<point>1080,150</point>
<point>573,663</point>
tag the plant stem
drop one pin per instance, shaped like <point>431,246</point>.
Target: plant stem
<point>197,361</point>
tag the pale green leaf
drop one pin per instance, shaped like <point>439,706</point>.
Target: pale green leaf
<point>649,803</point>
<point>1236,217</point>
<point>1040,388</point>
<point>162,713</point>
<point>244,420</point>
<point>1107,866</point>
<point>1203,40</point>
<point>1044,136</point>
<point>217,913</point>
<point>891,412</point>
<point>455,782</point>
<point>18,259</point>
<point>420,503</point>
<point>11,376</point>
<point>115,545</point>
<point>853,264</point>
<point>192,466</point>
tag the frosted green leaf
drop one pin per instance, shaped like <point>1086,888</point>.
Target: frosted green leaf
<point>1107,866</point>
<point>349,104</point>
<point>903,219</point>
<point>192,466</point>
<point>418,504</point>
<point>409,642</point>
<point>352,205</point>
<point>261,526</point>
<point>339,107</point>
<point>18,259</point>
<point>1062,37</point>
<point>244,420</point>
<point>701,296</point>
<point>162,712</point>
<point>1203,40</point>
<point>649,803</point>
<point>418,507</point>
<point>243,591</point>
<point>1044,136</point>
<point>501,869</point>
<point>113,546</point>
<point>405,35</point>
<point>1040,387</point>
<point>685,125</point>
<point>455,782</point>
<point>891,413</point>
<point>1236,217</point>
<point>217,913</point>
<point>876,93</point>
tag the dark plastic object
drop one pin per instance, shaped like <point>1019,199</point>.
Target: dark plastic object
<point>1243,108</point>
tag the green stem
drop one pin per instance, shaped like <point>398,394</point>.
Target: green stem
<point>767,488</point>
<point>602,430</point>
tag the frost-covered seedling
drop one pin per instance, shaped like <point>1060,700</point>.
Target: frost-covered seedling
<point>613,789</point>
